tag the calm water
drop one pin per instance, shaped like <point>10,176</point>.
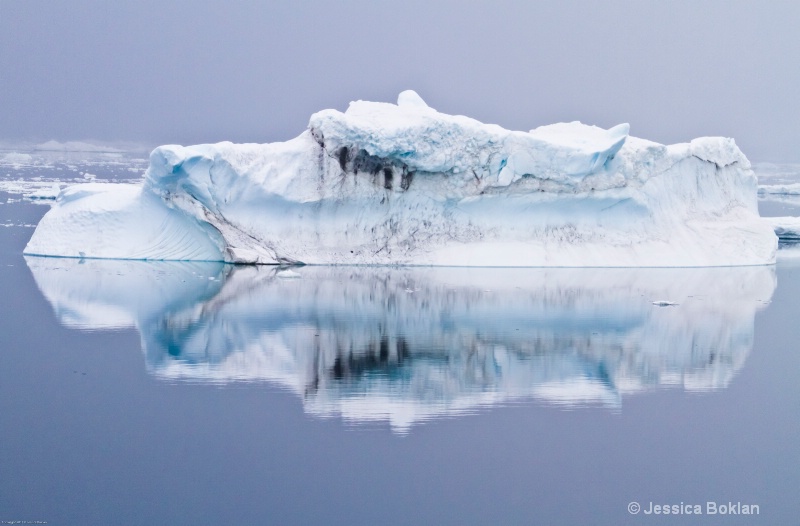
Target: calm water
<point>169,393</point>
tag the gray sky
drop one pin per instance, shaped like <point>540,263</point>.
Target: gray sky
<point>187,72</point>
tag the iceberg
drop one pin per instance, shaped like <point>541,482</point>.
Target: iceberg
<point>786,228</point>
<point>403,184</point>
<point>779,189</point>
<point>406,345</point>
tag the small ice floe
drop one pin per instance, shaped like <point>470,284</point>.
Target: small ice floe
<point>779,189</point>
<point>23,225</point>
<point>786,228</point>
<point>665,303</point>
<point>287,273</point>
<point>31,189</point>
<point>16,160</point>
<point>50,192</point>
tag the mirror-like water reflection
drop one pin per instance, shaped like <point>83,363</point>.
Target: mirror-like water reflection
<point>407,344</point>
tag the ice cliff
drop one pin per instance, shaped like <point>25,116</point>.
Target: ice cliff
<point>404,184</point>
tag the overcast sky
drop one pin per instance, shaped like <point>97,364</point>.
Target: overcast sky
<point>187,72</point>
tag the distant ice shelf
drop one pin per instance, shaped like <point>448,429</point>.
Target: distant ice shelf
<point>402,184</point>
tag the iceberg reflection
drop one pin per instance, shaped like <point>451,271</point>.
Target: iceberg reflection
<point>407,344</point>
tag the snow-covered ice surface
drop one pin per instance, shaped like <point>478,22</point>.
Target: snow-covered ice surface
<point>109,210</point>
<point>404,345</point>
<point>404,184</point>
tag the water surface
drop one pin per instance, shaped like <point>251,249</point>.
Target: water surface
<point>177,393</point>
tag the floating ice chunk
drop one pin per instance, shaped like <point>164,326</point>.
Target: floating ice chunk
<point>786,228</point>
<point>50,192</point>
<point>16,159</point>
<point>404,184</point>
<point>779,189</point>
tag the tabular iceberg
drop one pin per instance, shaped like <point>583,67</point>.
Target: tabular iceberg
<point>404,184</point>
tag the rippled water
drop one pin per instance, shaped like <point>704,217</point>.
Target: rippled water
<point>184,393</point>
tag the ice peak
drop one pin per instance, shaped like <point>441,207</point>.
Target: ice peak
<point>410,99</point>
